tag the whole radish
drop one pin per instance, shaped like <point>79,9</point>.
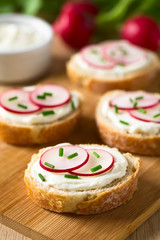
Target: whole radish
<point>142,31</point>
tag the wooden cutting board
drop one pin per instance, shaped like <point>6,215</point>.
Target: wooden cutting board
<point>18,211</point>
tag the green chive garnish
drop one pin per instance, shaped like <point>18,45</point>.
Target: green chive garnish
<point>22,106</point>
<point>116,108</point>
<point>94,51</point>
<point>144,111</point>
<point>72,155</point>
<point>139,98</point>
<point>12,98</point>
<point>123,122</point>
<point>47,94</point>
<point>41,97</point>
<point>46,113</point>
<point>157,115</point>
<point>95,169</point>
<point>49,165</point>
<point>71,176</point>
<point>72,104</point>
<point>112,53</point>
<point>120,64</point>
<point>96,154</point>
<point>41,177</point>
<point>131,100</point>
<point>135,105</point>
<point>61,152</point>
<point>102,59</point>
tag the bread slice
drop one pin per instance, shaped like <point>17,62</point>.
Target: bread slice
<point>113,136</point>
<point>134,81</point>
<point>88,201</point>
<point>39,133</point>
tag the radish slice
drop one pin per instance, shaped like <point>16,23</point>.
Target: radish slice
<point>94,57</point>
<point>127,101</point>
<point>63,164</point>
<point>103,159</point>
<point>123,53</point>
<point>147,115</point>
<point>50,95</point>
<point>17,101</point>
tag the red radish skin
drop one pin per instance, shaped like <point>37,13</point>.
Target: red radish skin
<point>63,164</point>
<point>75,24</point>
<point>142,31</point>
<point>148,117</point>
<point>95,60</point>
<point>60,96</point>
<point>106,160</point>
<point>81,6</point>
<point>23,98</point>
<point>124,52</point>
<point>123,101</point>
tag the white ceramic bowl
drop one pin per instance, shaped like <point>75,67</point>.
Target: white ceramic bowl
<point>17,66</point>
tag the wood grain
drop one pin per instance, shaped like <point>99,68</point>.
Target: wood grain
<point>21,214</point>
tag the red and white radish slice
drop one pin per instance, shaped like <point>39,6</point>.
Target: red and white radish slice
<point>123,52</point>
<point>105,160</point>
<point>94,57</point>
<point>56,95</point>
<point>17,101</point>
<point>149,115</point>
<point>63,164</point>
<point>126,101</point>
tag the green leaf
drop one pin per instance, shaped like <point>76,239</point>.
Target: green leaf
<point>31,7</point>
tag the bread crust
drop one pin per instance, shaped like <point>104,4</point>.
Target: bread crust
<point>82,202</point>
<point>139,80</point>
<point>113,136</point>
<point>38,134</point>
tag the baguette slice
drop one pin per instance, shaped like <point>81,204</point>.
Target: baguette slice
<point>113,136</point>
<point>38,134</point>
<point>88,201</point>
<point>134,81</point>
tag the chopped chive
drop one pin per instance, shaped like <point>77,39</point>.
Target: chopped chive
<point>139,98</point>
<point>47,94</point>
<point>120,64</point>
<point>94,51</point>
<point>131,100</point>
<point>116,108</point>
<point>157,115</point>
<point>41,177</point>
<point>71,176</point>
<point>95,169</point>
<point>112,53</point>
<point>49,165</point>
<point>102,59</point>
<point>72,105</point>
<point>135,105</point>
<point>22,106</point>
<point>61,152</point>
<point>41,97</point>
<point>144,111</point>
<point>46,113</point>
<point>96,154</point>
<point>123,122</point>
<point>12,98</point>
<point>72,155</point>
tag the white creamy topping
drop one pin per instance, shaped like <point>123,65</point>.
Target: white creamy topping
<point>37,117</point>
<point>135,126</point>
<point>117,71</point>
<point>57,180</point>
<point>14,36</point>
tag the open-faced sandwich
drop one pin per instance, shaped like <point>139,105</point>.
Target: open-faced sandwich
<point>38,115</point>
<point>130,121</point>
<point>113,65</point>
<point>82,179</point>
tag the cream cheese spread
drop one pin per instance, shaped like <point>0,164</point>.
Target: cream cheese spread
<point>37,117</point>
<point>58,181</point>
<point>117,71</point>
<point>135,126</point>
<point>14,36</point>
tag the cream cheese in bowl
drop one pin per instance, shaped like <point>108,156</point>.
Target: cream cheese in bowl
<point>25,48</point>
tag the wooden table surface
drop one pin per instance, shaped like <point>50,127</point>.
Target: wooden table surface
<point>150,230</point>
